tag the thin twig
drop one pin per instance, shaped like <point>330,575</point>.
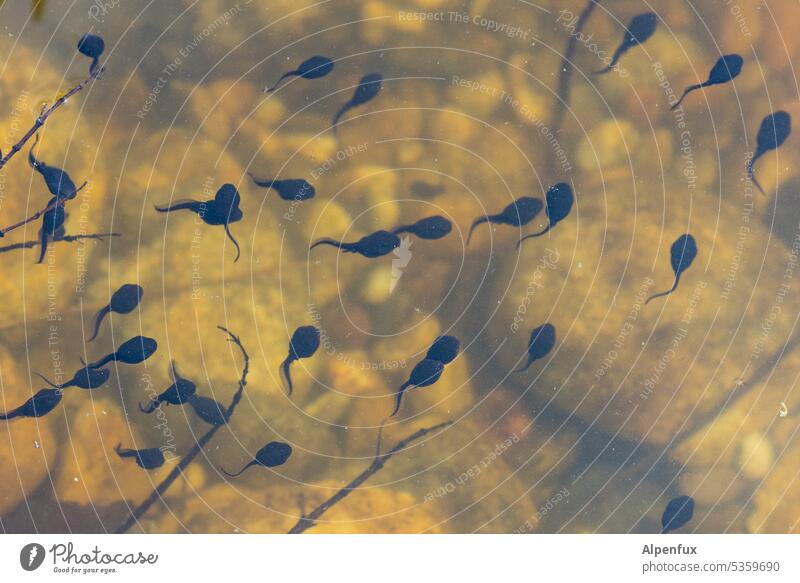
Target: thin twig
<point>308,520</point>
<point>46,112</point>
<point>65,238</point>
<point>60,200</point>
<point>562,101</point>
<point>158,493</point>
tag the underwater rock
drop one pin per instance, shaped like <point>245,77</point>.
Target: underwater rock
<point>777,500</point>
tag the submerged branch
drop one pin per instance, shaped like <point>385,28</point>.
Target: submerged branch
<point>198,447</point>
<point>308,520</point>
<point>65,238</point>
<point>59,201</point>
<point>562,100</point>
<point>46,112</point>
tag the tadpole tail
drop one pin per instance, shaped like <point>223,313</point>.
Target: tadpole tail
<point>284,76</point>
<point>526,367</point>
<point>399,400</point>
<point>665,293</point>
<point>43,246</point>
<point>52,384</point>
<point>539,234</point>
<point>93,66</point>
<point>32,161</point>
<point>614,60</point>
<point>103,361</point>
<point>177,206</point>
<point>286,376</point>
<point>686,92</point>
<point>344,109</point>
<point>751,173</point>
<point>124,452</point>
<point>478,221</point>
<point>10,415</point>
<point>240,472</point>
<point>400,230</point>
<point>101,314</point>
<point>380,437</point>
<point>262,182</point>
<point>230,236</point>
<point>326,241</point>
<point>150,408</point>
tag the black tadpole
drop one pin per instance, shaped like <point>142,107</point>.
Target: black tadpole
<point>223,210</point>
<point>424,374</point>
<point>44,401</point>
<point>639,29</point>
<point>517,214</point>
<point>682,254</point>
<point>211,411</point>
<point>774,130</point>
<point>85,378</point>
<point>273,454</point>
<point>559,204</point>
<point>367,89</point>
<point>374,245</point>
<point>725,69</point>
<point>57,180</point>
<point>289,189</point>
<point>312,68</point>
<point>123,301</point>
<point>147,459</point>
<point>52,227</point>
<point>92,46</point>
<point>678,512</point>
<point>133,351</point>
<point>445,349</point>
<point>304,343</point>
<point>178,393</point>
<point>431,228</point>
<point>542,341</point>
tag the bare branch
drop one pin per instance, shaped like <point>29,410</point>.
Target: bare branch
<point>158,493</point>
<point>61,200</point>
<point>46,112</point>
<point>307,521</point>
<point>562,99</point>
<point>65,238</point>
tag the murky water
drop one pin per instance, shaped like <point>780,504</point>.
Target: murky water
<point>691,394</point>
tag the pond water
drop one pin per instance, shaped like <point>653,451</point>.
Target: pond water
<point>621,404</point>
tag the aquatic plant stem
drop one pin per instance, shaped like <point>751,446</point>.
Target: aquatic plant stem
<point>562,101</point>
<point>309,520</point>
<point>159,491</point>
<point>65,238</point>
<point>47,112</point>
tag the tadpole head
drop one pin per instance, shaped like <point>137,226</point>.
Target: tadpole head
<point>305,342</point>
<point>368,88</point>
<point>126,298</point>
<point>444,349</point>
<point>91,378</point>
<point>91,46</point>
<point>274,454</point>
<point>426,372</point>
<point>315,67</point>
<point>726,68</point>
<point>522,211</point>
